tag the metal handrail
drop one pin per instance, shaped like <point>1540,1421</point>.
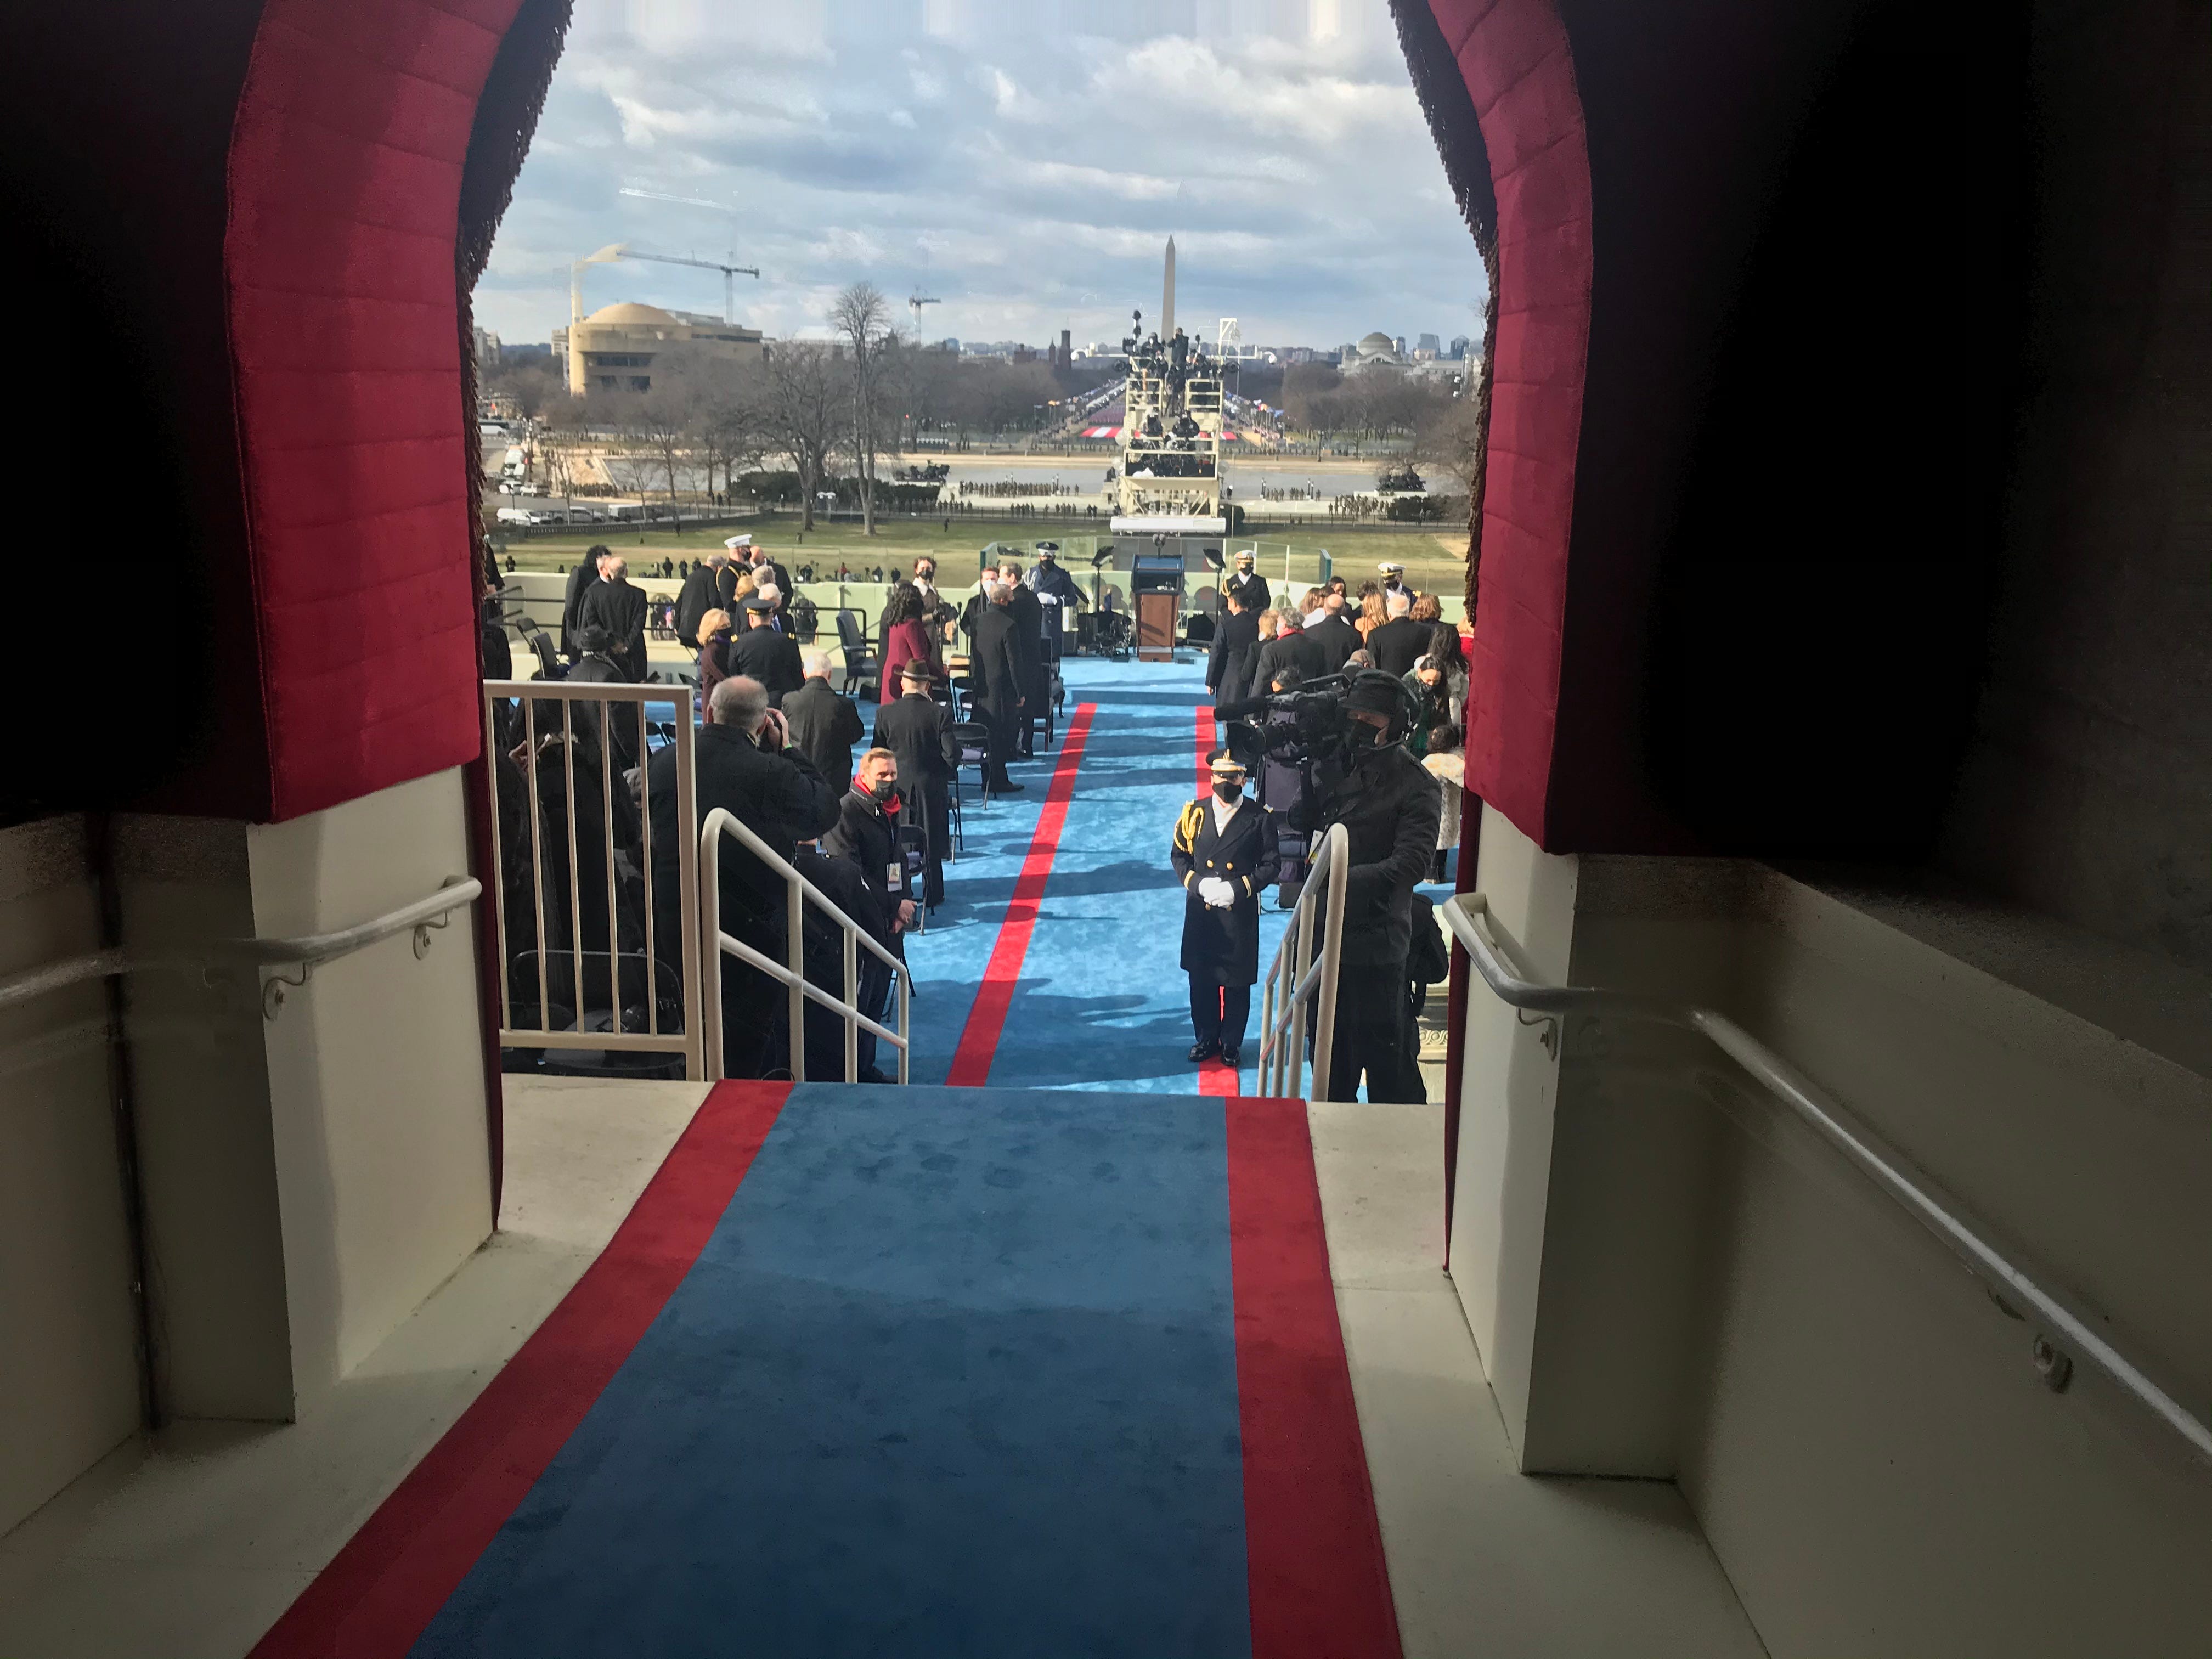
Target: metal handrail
<point>1911,1189</point>
<point>307,951</point>
<point>532,929</point>
<point>798,892</point>
<point>1296,970</point>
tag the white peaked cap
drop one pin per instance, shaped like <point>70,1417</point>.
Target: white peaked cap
<point>738,541</point>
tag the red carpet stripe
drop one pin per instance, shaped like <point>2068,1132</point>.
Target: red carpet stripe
<point>1313,1546</point>
<point>1213,1076</point>
<point>979,1038</point>
<point>380,1593</point>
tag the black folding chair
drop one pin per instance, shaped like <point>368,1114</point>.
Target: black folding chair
<point>863,673</point>
<point>596,1009</point>
<point>975,740</point>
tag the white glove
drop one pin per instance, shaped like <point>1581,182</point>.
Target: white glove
<point>1217,893</point>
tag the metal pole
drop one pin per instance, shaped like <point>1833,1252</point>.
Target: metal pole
<point>851,1006</point>
<point>1335,848</point>
<point>575,862</point>
<point>702,976</point>
<point>645,861</point>
<point>607,809</point>
<point>498,874</point>
<point>906,1029</point>
<point>794,956</point>
<point>696,1060</point>
<point>536,857</point>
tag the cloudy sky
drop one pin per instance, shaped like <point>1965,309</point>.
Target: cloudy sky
<point>1024,162</point>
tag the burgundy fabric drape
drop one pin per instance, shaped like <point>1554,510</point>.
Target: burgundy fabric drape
<point>1513,60</point>
<point>345,171</point>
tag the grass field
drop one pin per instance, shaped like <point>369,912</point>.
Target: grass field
<point>1434,562</point>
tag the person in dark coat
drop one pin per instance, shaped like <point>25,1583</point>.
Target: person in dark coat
<point>1288,648</point>
<point>1229,670</point>
<point>867,832</point>
<point>746,763</point>
<point>767,656</point>
<point>1336,638</point>
<point>1048,580</point>
<point>1247,584</point>
<point>1389,807</point>
<point>620,608</point>
<point>697,596</point>
<point>582,576</point>
<point>906,638</point>
<point>824,725</point>
<point>1224,855</point>
<point>1029,640</point>
<point>1395,644</point>
<point>839,881</point>
<point>1000,697</point>
<point>715,638</point>
<point>595,665</point>
<point>918,729</point>
<point>766,570</point>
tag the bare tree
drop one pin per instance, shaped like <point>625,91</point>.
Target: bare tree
<point>664,420</point>
<point>805,414</point>
<point>729,421</point>
<point>861,317</point>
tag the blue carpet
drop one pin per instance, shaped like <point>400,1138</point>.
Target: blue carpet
<point>1102,1003</point>
<point>1020,1439</point>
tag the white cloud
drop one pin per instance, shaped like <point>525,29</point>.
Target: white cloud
<point>1027,177</point>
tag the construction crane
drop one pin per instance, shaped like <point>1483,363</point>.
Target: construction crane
<point>729,275</point>
<point>916,301</point>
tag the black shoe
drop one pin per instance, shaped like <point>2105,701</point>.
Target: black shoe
<point>1204,1050</point>
<point>870,1074</point>
<point>1232,1058</point>
<point>1009,788</point>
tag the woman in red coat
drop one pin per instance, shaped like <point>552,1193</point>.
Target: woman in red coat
<point>906,639</point>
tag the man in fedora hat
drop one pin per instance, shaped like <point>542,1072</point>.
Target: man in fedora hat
<point>1224,855</point>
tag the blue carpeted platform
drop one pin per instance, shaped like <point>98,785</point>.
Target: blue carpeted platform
<point>1102,1003</point>
<point>956,1374</point>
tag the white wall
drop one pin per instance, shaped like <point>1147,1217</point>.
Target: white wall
<point>1666,1278</point>
<point>375,1072</point>
<point>69,1387</point>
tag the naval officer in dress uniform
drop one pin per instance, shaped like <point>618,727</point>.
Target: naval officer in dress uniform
<point>1249,587</point>
<point>1225,856</point>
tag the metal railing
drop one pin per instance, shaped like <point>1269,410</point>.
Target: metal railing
<point>1305,963</point>
<point>1911,1189</point>
<point>306,952</point>
<point>551,940</point>
<point>791,973</point>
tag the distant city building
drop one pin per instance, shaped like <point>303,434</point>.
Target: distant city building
<point>951,343</point>
<point>488,349</point>
<point>619,346</point>
<point>1459,345</point>
<point>1429,343</point>
<point>1398,344</point>
<point>1376,350</point>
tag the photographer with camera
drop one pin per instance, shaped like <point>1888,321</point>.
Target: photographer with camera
<point>1389,807</point>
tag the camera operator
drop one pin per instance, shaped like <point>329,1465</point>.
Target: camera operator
<point>1389,807</point>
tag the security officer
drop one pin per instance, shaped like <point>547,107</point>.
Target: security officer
<point>1390,806</point>
<point>1247,585</point>
<point>1393,578</point>
<point>1225,856</point>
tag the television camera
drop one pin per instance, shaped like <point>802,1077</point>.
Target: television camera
<point>1311,727</point>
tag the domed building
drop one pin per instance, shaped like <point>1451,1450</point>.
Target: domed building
<point>1376,350</point>
<point>617,347</point>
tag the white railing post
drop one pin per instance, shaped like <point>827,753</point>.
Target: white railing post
<point>1295,977</point>
<point>794,953</point>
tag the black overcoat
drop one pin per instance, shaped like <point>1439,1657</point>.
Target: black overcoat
<point>1221,946</point>
<point>996,667</point>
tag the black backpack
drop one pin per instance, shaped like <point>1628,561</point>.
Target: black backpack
<point>1428,961</point>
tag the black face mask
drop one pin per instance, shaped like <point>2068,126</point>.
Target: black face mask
<point>883,788</point>
<point>1228,792</point>
<point>1364,736</point>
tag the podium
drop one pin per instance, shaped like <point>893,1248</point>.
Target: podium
<point>1156,583</point>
